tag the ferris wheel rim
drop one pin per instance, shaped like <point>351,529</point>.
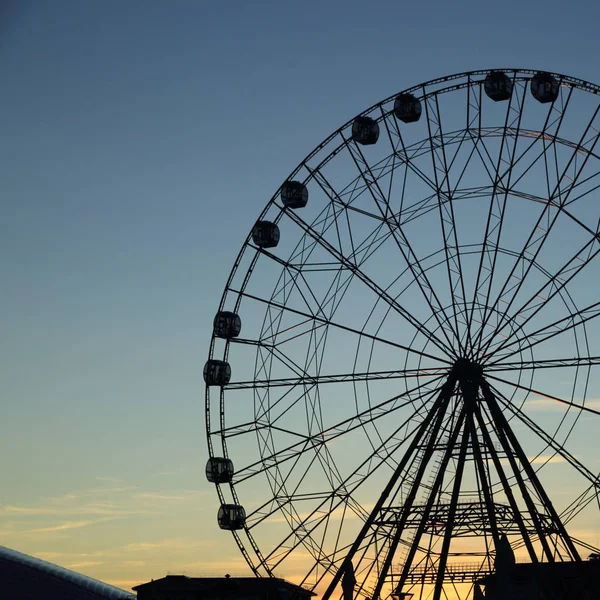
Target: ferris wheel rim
<point>523,73</point>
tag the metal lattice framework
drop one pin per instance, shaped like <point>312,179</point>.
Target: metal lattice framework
<point>417,371</point>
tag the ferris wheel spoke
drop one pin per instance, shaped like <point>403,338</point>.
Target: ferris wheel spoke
<point>587,180</point>
<point>441,167</point>
<point>541,297</point>
<point>347,205</point>
<point>547,439</point>
<point>501,177</point>
<point>415,399</point>
<point>557,363</point>
<point>458,194</point>
<point>352,482</point>
<point>284,497</point>
<point>533,246</point>
<point>509,290</point>
<point>396,162</point>
<point>282,500</point>
<point>397,234</point>
<point>510,166</point>
<point>268,411</point>
<point>330,218</point>
<point>525,259</point>
<point>548,133</point>
<point>360,251</point>
<point>555,285</point>
<point>313,304</point>
<point>405,156</point>
<point>543,334</point>
<point>251,427</point>
<point>338,198</point>
<point>400,239</point>
<point>398,159</point>
<point>546,396</point>
<point>408,317</point>
<point>325,322</point>
<point>589,495</point>
<point>284,359</point>
<point>337,378</point>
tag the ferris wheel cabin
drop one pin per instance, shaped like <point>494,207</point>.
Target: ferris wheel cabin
<point>365,131</point>
<point>544,87</point>
<point>407,108</point>
<point>231,517</point>
<point>217,372</point>
<point>294,194</point>
<point>498,86</point>
<point>227,325</point>
<point>219,470</point>
<point>265,234</point>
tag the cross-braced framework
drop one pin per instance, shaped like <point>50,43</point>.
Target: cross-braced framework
<point>405,363</point>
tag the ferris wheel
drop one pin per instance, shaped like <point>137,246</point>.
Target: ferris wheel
<point>404,371</point>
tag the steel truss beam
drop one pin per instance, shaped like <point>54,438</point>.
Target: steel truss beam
<point>469,519</point>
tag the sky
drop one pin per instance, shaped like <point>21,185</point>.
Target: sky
<point>139,142</point>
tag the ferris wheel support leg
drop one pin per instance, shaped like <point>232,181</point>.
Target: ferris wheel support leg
<point>549,584</point>
<point>484,482</point>
<point>504,481</point>
<point>438,409</point>
<point>428,507</point>
<point>409,503</point>
<point>526,495</point>
<point>507,431</point>
<point>469,397</point>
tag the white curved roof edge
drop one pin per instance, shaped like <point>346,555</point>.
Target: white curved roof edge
<point>110,592</point>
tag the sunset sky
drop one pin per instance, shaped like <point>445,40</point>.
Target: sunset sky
<point>139,141</point>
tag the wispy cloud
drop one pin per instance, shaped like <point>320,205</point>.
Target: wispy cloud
<point>53,556</point>
<point>115,480</point>
<point>92,493</point>
<point>137,562</point>
<point>539,460</point>
<point>124,553</point>
<point>107,502</point>
<point>171,544</point>
<point>126,584</point>
<point>168,473</point>
<point>57,511</point>
<point>84,519</point>
<point>68,525</point>
<point>84,564</point>
<point>58,515</point>
<point>134,563</point>
<point>544,403</point>
<point>159,496</point>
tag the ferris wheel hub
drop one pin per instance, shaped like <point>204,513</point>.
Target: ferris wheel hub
<point>465,369</point>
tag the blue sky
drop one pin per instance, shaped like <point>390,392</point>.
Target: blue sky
<point>139,142</point>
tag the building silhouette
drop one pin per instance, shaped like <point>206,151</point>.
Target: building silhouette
<point>542,581</point>
<point>181,587</point>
